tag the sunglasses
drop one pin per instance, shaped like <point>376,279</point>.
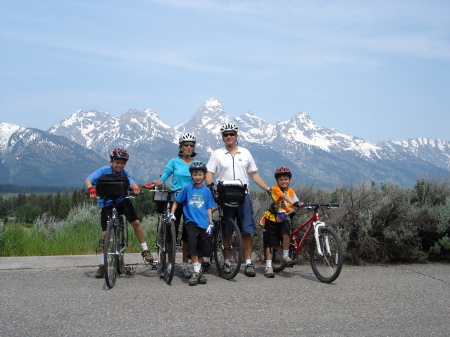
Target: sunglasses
<point>188,145</point>
<point>232,134</point>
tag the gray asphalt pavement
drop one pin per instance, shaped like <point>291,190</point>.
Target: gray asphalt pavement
<point>59,296</point>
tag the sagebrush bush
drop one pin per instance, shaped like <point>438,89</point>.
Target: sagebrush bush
<point>382,223</point>
<point>377,223</point>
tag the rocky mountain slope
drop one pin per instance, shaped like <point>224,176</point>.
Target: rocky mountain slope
<point>319,156</point>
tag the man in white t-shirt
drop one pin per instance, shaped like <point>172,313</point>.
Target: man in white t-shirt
<point>232,162</point>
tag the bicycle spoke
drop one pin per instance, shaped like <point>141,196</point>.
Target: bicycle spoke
<point>110,254</point>
<point>327,264</point>
<point>227,246</point>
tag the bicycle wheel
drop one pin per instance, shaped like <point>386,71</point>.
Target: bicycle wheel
<point>328,265</point>
<point>227,245</point>
<point>122,246</point>
<point>167,250</point>
<point>277,259</point>
<point>110,253</point>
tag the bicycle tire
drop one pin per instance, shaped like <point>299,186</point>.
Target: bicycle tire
<point>227,245</point>
<point>327,266</point>
<point>122,245</point>
<point>169,253</point>
<point>277,259</point>
<point>110,253</point>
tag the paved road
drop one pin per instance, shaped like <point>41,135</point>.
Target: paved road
<point>59,296</point>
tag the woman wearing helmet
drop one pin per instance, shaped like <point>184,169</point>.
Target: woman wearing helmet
<point>197,202</point>
<point>233,162</point>
<point>276,219</point>
<point>178,169</point>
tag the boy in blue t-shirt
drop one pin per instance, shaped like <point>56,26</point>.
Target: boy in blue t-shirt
<point>197,201</point>
<point>118,160</point>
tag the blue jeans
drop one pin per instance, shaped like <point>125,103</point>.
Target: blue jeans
<point>243,215</point>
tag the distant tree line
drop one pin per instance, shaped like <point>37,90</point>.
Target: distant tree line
<point>27,207</point>
<point>378,223</point>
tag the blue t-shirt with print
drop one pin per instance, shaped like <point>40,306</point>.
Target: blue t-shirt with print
<point>196,201</point>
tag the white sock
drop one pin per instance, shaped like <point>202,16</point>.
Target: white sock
<point>268,263</point>
<point>285,253</point>
<point>144,246</point>
<point>102,259</point>
<point>196,267</point>
<point>227,262</point>
<point>184,265</point>
<point>248,261</point>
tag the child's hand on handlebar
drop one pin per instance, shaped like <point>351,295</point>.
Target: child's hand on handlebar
<point>92,192</point>
<point>171,217</point>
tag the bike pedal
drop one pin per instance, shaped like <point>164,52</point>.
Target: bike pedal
<point>154,265</point>
<point>129,270</point>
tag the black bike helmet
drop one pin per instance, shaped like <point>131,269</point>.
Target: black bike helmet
<point>283,171</point>
<point>118,153</point>
<point>197,165</point>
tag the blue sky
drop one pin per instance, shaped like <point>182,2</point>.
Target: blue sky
<point>378,70</point>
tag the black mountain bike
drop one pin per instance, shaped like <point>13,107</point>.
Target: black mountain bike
<point>227,244</point>
<point>165,239</point>
<point>116,238</point>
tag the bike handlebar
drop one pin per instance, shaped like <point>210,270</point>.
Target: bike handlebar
<point>316,206</point>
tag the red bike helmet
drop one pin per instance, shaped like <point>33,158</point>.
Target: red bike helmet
<point>119,153</point>
<point>283,171</point>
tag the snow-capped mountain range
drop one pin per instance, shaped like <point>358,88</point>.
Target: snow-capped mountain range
<point>324,157</point>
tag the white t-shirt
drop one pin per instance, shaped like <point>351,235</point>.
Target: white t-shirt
<point>225,167</point>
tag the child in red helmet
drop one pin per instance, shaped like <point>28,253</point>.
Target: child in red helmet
<point>276,219</point>
<point>118,160</point>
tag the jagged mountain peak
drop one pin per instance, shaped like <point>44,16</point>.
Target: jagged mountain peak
<point>321,156</point>
<point>208,119</point>
<point>254,129</point>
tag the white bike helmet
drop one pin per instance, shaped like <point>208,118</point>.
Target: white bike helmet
<point>229,126</point>
<point>187,137</point>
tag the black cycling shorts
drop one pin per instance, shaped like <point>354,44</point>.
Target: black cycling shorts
<point>273,232</point>
<point>124,208</point>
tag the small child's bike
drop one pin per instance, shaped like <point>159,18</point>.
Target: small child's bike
<point>325,248</point>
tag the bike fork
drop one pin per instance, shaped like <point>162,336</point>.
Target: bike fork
<point>317,225</point>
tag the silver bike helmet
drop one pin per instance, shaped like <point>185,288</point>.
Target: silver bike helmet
<point>187,137</point>
<point>229,126</point>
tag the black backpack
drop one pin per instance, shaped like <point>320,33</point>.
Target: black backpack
<point>112,185</point>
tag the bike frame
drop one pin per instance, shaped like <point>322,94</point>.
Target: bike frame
<point>313,223</point>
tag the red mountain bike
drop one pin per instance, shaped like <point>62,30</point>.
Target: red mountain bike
<point>325,248</point>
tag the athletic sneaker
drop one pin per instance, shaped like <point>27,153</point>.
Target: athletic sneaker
<point>100,272</point>
<point>169,268</point>
<point>201,279</point>
<point>227,268</point>
<point>287,261</point>
<point>185,272</point>
<point>205,266</point>
<point>147,255</point>
<point>250,270</point>
<point>268,272</point>
<point>193,281</point>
